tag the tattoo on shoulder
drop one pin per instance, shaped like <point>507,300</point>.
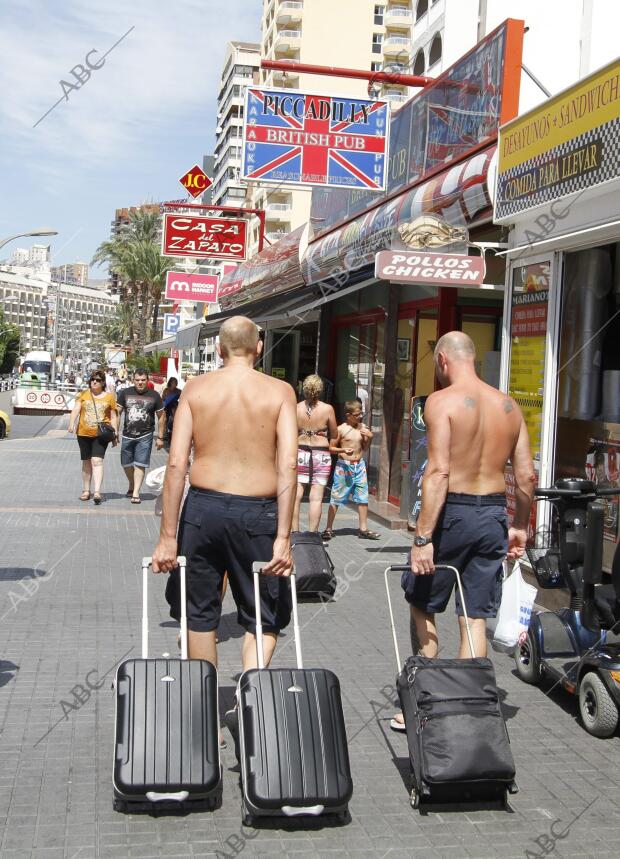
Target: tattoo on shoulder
<point>470,403</point>
<point>508,406</point>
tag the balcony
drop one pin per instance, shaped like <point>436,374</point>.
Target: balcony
<point>287,40</point>
<point>289,10</point>
<point>398,16</point>
<point>278,207</point>
<point>275,237</point>
<point>396,98</point>
<point>395,45</point>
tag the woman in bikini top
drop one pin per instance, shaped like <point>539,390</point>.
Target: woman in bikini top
<point>316,424</point>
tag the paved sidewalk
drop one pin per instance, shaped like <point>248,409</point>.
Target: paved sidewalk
<point>70,611</point>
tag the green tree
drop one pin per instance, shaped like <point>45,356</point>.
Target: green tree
<point>9,344</point>
<point>119,329</point>
<point>134,255</point>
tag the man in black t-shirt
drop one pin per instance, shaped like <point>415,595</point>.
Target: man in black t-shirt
<point>140,406</point>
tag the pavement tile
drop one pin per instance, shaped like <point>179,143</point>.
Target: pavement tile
<point>76,623</point>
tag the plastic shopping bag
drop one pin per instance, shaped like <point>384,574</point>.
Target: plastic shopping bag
<point>515,611</point>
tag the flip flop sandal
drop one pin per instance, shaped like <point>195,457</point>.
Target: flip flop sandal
<point>327,534</point>
<point>136,500</point>
<point>97,497</point>
<point>395,725</point>
<point>369,535</point>
<point>85,496</point>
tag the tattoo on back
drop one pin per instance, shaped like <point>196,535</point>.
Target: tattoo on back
<point>508,406</point>
<point>470,403</point>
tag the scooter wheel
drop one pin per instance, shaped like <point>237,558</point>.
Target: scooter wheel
<point>599,712</point>
<point>527,662</point>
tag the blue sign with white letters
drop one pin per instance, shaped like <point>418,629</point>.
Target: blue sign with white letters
<point>172,322</point>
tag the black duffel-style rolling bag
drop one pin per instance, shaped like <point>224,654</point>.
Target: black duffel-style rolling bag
<point>314,570</point>
<point>458,742</point>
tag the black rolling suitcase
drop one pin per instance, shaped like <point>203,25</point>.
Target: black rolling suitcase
<point>314,570</point>
<point>166,742</point>
<point>457,737</point>
<point>292,738</point>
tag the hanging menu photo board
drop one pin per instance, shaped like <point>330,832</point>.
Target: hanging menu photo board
<point>528,336</point>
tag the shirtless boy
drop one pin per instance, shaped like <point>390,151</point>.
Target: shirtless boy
<point>350,478</point>
<point>473,431</point>
<point>243,481</point>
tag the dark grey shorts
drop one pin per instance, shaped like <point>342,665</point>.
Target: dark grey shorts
<point>471,535</point>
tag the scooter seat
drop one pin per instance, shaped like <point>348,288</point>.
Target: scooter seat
<point>601,608</point>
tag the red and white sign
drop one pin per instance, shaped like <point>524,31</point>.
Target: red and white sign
<point>435,268</point>
<point>181,286</point>
<point>195,181</point>
<point>197,236</point>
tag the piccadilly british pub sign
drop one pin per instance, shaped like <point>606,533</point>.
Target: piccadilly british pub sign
<point>295,138</point>
<point>567,145</point>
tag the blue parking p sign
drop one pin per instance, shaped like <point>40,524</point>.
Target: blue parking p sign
<point>171,323</point>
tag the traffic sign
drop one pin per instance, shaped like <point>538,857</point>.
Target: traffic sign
<point>195,181</point>
<point>300,139</point>
<point>198,236</point>
<point>181,286</point>
<point>172,322</point>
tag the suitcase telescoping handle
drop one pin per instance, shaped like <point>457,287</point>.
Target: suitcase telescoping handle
<point>257,567</point>
<point>146,563</point>
<point>406,568</point>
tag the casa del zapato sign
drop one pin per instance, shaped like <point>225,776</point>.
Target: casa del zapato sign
<point>568,144</point>
<point>295,138</point>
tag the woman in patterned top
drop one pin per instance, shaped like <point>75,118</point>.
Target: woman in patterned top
<point>92,407</point>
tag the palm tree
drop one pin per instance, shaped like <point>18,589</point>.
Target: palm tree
<point>135,256</point>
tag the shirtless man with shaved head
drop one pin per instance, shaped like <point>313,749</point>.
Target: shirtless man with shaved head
<point>243,481</point>
<point>473,431</point>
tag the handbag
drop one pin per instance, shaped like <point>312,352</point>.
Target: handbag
<point>105,432</point>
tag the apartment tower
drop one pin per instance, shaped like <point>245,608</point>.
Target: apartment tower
<point>240,69</point>
<point>357,34</point>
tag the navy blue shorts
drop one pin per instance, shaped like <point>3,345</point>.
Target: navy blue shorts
<point>471,535</point>
<point>222,533</point>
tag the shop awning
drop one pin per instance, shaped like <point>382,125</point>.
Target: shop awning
<point>188,336</point>
<point>461,195</point>
<point>160,345</point>
<point>276,269</point>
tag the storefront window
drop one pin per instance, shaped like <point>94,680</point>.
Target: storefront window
<point>359,369</point>
<point>415,377</point>
<point>588,425</point>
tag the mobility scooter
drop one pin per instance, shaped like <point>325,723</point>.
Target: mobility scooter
<point>575,647</point>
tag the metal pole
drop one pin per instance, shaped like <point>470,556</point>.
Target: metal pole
<point>538,83</point>
<point>55,340</point>
<point>338,72</point>
<point>482,19</point>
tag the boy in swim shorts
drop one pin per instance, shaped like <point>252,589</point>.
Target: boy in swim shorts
<point>350,478</point>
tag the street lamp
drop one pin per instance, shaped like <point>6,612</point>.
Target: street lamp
<point>33,234</point>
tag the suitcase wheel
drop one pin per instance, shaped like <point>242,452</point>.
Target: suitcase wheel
<point>414,798</point>
<point>342,816</point>
<point>246,818</point>
<point>119,805</point>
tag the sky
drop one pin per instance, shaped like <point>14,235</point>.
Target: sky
<point>128,133</point>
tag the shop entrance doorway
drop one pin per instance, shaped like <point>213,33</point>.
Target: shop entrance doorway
<point>414,377</point>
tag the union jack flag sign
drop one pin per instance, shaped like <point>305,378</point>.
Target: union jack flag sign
<point>293,138</point>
